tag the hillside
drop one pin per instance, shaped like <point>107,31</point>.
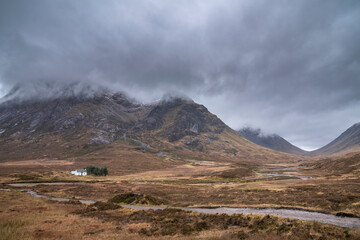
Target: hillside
<point>272,141</point>
<point>189,130</point>
<point>347,142</point>
<point>348,164</point>
<point>108,125</point>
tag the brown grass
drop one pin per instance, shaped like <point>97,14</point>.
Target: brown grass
<point>346,165</point>
<point>25,217</point>
<point>179,183</point>
<point>120,158</point>
<point>207,183</point>
<point>333,196</point>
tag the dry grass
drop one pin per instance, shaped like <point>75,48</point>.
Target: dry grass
<point>346,166</point>
<point>120,158</point>
<point>206,183</point>
<point>325,195</point>
<point>9,229</point>
<point>25,217</point>
<point>176,182</point>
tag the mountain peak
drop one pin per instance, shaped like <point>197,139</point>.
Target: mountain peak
<point>257,132</point>
<point>45,90</point>
<point>348,141</point>
<point>272,141</point>
<point>72,125</point>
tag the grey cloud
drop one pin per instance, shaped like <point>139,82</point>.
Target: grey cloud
<point>289,67</point>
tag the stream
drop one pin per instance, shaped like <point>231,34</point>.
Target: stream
<point>265,175</point>
<point>281,172</point>
<point>345,222</point>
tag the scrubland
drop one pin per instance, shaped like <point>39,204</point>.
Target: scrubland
<point>25,217</point>
<point>192,183</point>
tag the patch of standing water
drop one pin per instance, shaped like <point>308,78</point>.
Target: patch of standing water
<point>44,183</point>
<point>346,222</point>
<point>270,173</point>
<point>285,175</point>
<point>35,194</point>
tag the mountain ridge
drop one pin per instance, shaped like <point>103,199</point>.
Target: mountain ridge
<point>78,126</point>
<point>346,142</point>
<point>272,141</point>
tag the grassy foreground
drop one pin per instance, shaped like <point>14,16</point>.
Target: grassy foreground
<point>186,183</point>
<point>25,217</point>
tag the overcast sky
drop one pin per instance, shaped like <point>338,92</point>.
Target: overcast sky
<point>288,67</point>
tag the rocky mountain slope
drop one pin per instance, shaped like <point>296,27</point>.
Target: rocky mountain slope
<point>347,142</point>
<point>108,125</point>
<point>101,115</point>
<point>272,141</point>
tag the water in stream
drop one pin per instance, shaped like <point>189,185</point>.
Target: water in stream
<point>346,222</point>
<point>279,172</point>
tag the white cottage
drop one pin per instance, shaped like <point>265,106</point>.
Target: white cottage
<point>79,172</point>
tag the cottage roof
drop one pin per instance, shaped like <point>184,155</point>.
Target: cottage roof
<point>81,170</point>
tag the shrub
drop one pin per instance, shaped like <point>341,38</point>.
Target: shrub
<point>187,229</point>
<point>201,226</point>
<point>135,198</point>
<point>242,235</point>
<point>97,171</point>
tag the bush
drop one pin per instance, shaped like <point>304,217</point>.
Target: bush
<point>201,226</point>
<point>187,229</point>
<point>102,206</point>
<point>242,235</point>
<point>97,171</point>
<point>136,198</point>
<point>97,206</point>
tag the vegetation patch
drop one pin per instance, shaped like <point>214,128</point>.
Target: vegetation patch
<point>73,202</point>
<point>97,171</point>
<point>176,222</point>
<point>27,177</point>
<point>137,198</point>
<point>9,229</point>
<point>235,173</point>
<point>343,214</point>
<point>98,206</point>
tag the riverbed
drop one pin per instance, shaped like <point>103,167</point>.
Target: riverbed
<point>345,222</point>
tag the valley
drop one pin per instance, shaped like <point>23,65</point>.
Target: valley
<point>179,120</point>
<point>176,171</point>
<point>197,185</point>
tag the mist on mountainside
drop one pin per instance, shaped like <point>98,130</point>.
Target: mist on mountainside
<point>272,141</point>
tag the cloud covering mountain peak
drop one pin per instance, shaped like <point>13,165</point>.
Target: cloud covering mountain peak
<point>287,67</point>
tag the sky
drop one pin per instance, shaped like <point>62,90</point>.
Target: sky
<point>288,67</point>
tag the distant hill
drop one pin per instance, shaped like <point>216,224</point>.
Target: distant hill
<point>272,141</point>
<point>347,142</point>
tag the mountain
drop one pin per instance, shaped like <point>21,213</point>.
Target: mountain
<point>120,132</point>
<point>272,141</point>
<point>347,142</point>
<point>189,130</point>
